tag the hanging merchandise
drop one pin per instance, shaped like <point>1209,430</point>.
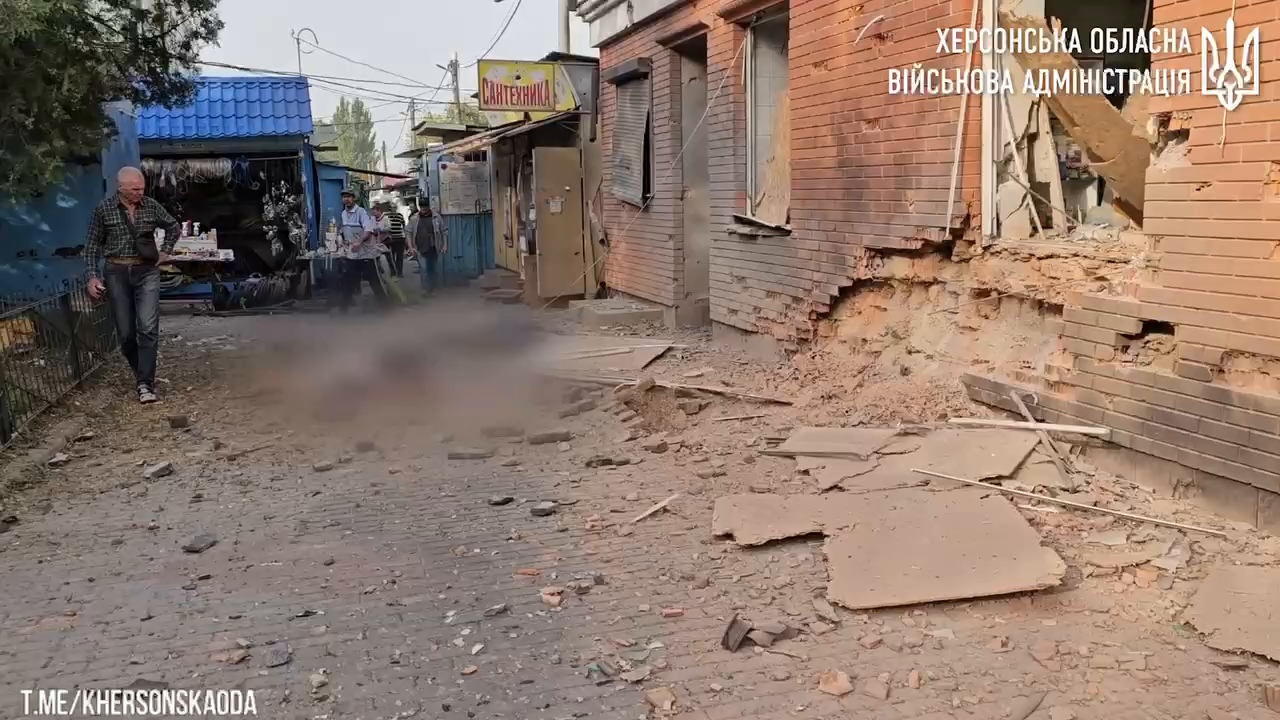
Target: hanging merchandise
<point>282,209</point>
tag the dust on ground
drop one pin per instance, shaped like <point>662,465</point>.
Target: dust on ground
<point>319,455</point>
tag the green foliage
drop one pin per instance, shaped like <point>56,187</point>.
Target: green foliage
<point>357,147</point>
<point>60,60</point>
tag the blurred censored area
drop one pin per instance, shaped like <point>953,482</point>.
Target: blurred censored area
<point>459,367</point>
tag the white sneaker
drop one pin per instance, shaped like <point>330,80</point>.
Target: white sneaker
<point>146,395</point>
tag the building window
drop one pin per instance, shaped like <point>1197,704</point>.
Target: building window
<point>633,142</point>
<point>767,104</point>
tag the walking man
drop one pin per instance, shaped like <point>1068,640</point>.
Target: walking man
<point>360,250</point>
<point>429,242</point>
<point>133,234</point>
<point>397,241</point>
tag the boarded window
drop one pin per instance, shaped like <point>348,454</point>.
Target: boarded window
<point>631,173</point>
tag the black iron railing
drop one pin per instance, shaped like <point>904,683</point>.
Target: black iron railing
<point>47,347</point>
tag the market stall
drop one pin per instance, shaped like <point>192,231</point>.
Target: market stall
<point>236,170</point>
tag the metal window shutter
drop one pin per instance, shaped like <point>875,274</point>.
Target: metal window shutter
<point>631,119</point>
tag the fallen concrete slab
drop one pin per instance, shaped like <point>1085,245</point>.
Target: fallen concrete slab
<point>1236,610</point>
<point>912,547</point>
<point>902,547</point>
<point>979,454</point>
<point>757,519</point>
<point>858,443</point>
<point>600,353</point>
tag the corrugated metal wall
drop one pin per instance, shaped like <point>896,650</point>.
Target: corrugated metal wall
<point>470,247</point>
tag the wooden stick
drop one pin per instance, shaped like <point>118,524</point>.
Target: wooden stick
<point>1045,427</point>
<point>1017,162</point>
<point>241,453</point>
<point>585,354</point>
<point>655,508</point>
<point>739,417</point>
<point>1059,461</point>
<point>1069,503</point>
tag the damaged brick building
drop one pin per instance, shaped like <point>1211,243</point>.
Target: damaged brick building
<point>761,177</point>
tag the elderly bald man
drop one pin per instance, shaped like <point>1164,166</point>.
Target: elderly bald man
<point>129,235</point>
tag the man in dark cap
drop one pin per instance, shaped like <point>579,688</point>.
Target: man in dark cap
<point>360,248</point>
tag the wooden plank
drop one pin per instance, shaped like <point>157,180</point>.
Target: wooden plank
<point>1059,461</point>
<point>1101,432</point>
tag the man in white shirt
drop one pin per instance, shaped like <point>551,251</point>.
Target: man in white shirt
<point>360,249</point>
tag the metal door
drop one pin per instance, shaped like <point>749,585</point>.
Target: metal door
<point>557,188</point>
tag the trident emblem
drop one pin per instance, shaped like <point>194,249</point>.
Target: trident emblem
<point>1229,82</point>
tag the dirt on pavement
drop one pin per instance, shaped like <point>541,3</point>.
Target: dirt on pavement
<point>358,572</point>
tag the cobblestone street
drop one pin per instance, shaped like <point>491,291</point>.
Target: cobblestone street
<point>382,580</point>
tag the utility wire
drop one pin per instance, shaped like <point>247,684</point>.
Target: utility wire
<point>419,83</point>
<point>292,73</point>
<point>501,32</point>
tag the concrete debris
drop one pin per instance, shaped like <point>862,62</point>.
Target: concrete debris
<point>923,547</point>
<point>543,509</point>
<point>734,633</point>
<point>640,674</point>
<point>277,656</point>
<point>199,543</point>
<point>835,682</point>
<point>760,638</point>
<point>1142,554</point>
<point>876,688</point>
<point>495,610</point>
<point>552,595</point>
<point>1023,707</point>
<point>159,470</point>
<point>322,466</point>
<point>1271,696</point>
<point>178,422</point>
<point>548,437</point>
<point>674,613</point>
<point>858,443</point>
<point>1110,538</point>
<point>470,453</point>
<point>660,698</point>
<point>657,444</point>
<point>929,547</point>
<point>577,408</point>
<point>500,500</point>
<point>58,460</point>
<point>825,611</point>
<point>1235,610</point>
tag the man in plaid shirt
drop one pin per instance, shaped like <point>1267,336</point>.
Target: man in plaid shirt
<point>129,235</point>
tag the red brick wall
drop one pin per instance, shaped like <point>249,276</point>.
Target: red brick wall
<point>1214,219</point>
<point>868,170</point>
<point>646,247</point>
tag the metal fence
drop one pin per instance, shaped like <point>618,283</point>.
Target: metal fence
<point>47,347</point>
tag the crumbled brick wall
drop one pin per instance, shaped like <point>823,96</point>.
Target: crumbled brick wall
<point>868,170</point>
<point>1214,212</point>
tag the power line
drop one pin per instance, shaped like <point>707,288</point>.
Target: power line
<point>322,81</point>
<point>413,85</point>
<point>419,83</point>
<point>501,32</point>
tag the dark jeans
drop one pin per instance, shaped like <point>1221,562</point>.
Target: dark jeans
<point>427,262</point>
<point>134,294</point>
<point>356,271</point>
<point>397,248</point>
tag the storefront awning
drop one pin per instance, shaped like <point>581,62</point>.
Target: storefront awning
<point>534,125</point>
<point>476,142</point>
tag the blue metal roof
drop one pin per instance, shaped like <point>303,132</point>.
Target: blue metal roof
<point>233,107</point>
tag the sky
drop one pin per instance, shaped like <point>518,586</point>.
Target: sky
<point>408,38</point>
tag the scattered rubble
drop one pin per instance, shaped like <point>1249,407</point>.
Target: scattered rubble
<point>470,453</point>
<point>835,682</point>
<point>159,470</point>
<point>548,437</point>
<point>1234,609</point>
<point>199,543</point>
